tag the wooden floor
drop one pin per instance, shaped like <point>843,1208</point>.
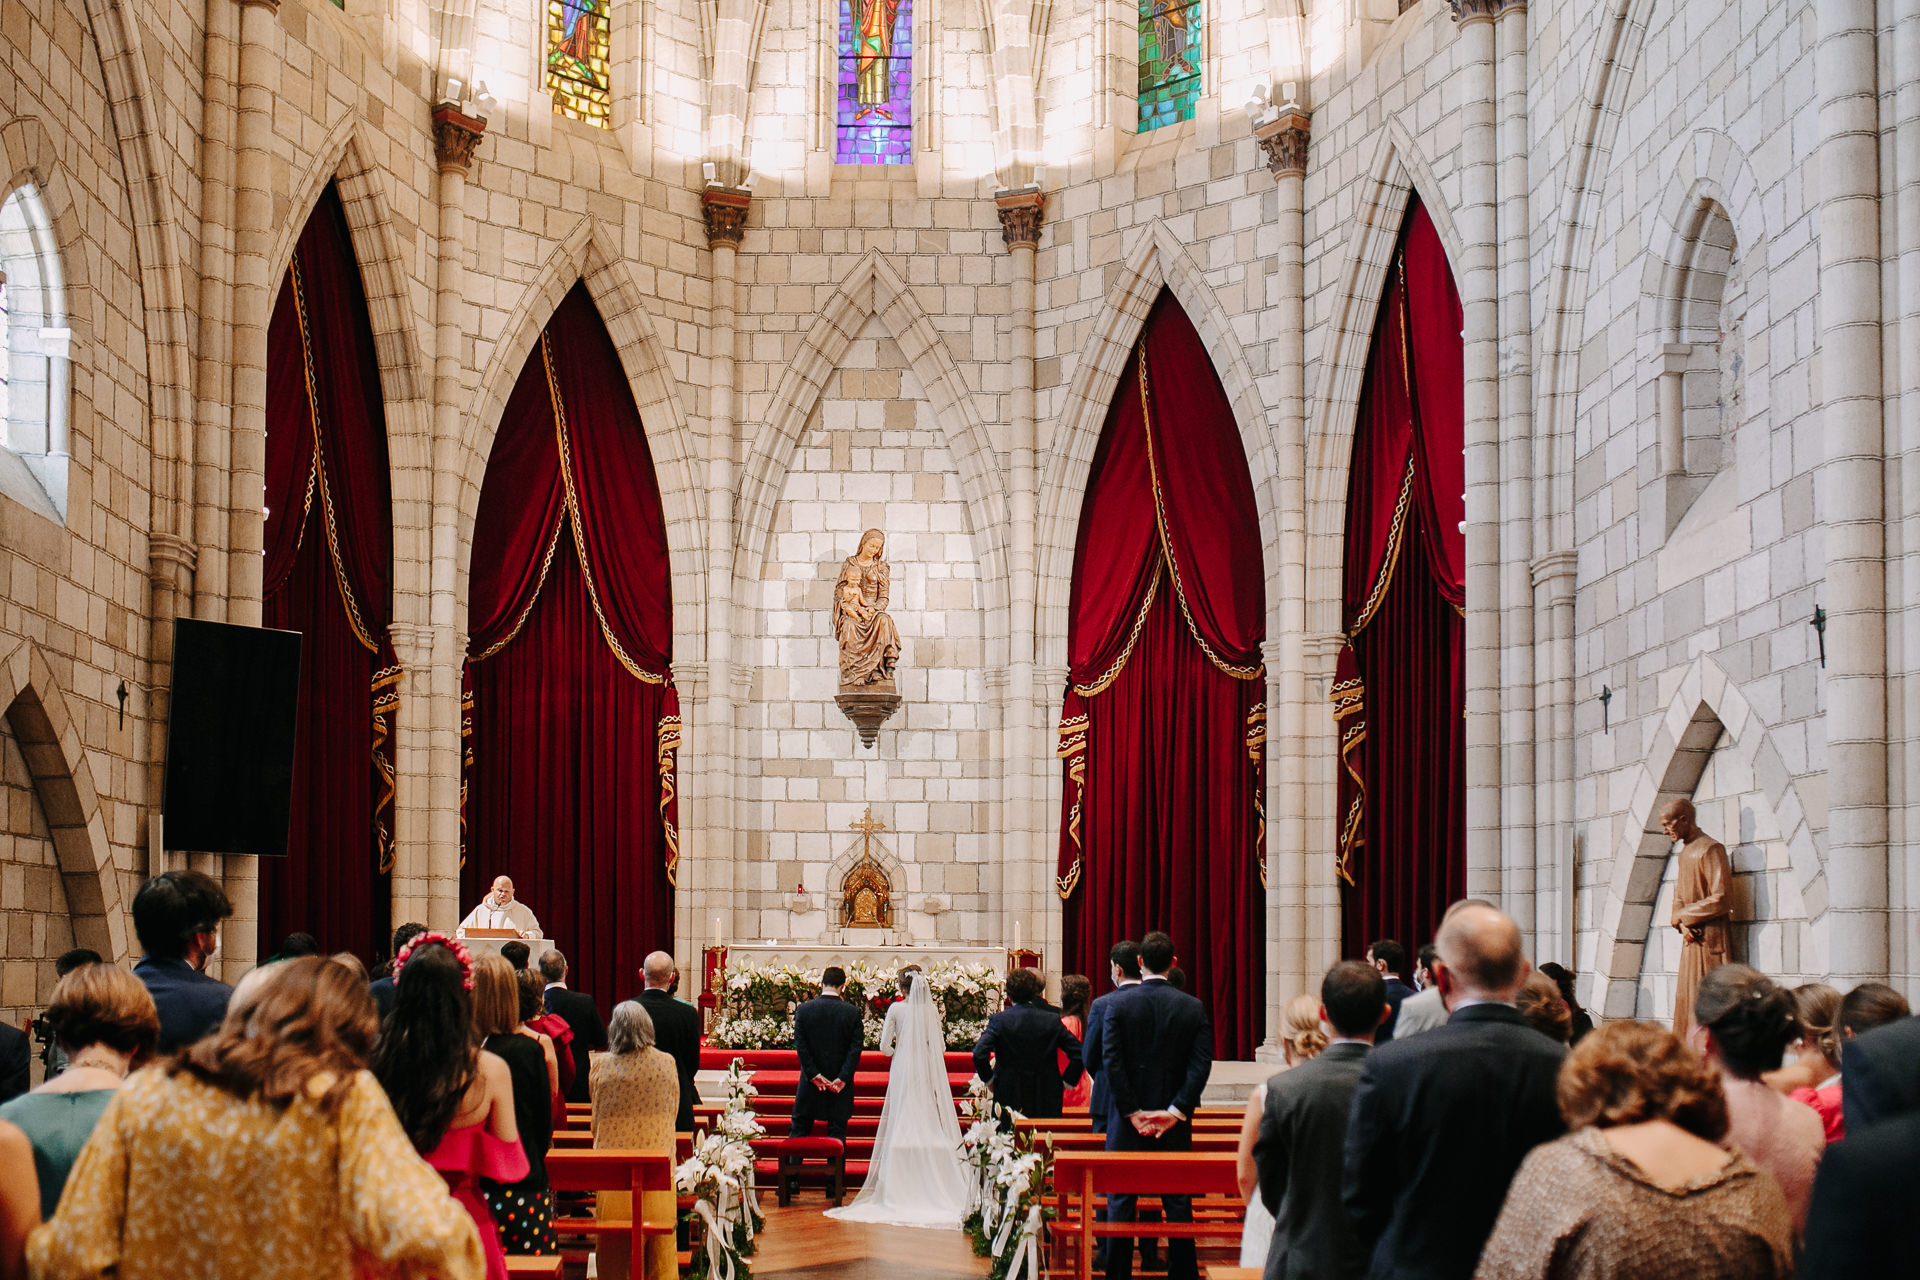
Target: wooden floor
<point>802,1243</point>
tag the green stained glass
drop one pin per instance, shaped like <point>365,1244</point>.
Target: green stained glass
<point>1170,53</point>
<point>577,36</point>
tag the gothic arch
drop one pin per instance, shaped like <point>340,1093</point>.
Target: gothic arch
<point>1706,706</point>
<point>588,254</point>
<point>49,739</point>
<point>1156,260</point>
<point>874,288</point>
<point>1711,168</point>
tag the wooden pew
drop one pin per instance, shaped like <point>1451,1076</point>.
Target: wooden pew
<point>612,1170</point>
<point>1061,1142</point>
<point>1080,1177</point>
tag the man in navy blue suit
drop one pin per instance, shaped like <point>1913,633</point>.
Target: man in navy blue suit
<point>827,1034</point>
<point>1019,1053</point>
<point>1156,1049</point>
<point>1123,964</point>
<point>177,916</point>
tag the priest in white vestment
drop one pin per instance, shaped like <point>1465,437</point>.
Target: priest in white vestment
<point>500,910</point>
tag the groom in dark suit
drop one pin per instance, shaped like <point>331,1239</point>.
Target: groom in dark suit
<point>827,1034</point>
<point>1157,1052</point>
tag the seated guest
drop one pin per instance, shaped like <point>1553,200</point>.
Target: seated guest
<point>382,987</point>
<point>177,916</point>
<point>1441,1120</point>
<point>1869,1005</point>
<point>1862,1222</point>
<point>676,1029</point>
<point>522,1208</point>
<point>1303,1134</point>
<point>1541,1004</point>
<point>454,1101</point>
<point>1022,1050</point>
<point>556,1035</point>
<point>1301,1038</point>
<point>1424,1010</point>
<point>636,1094</point>
<point>1815,1059</point>
<point>266,1150</point>
<point>1878,1066</point>
<point>1639,1188</point>
<point>1742,1024</point>
<point>517,954</point>
<point>581,1014</point>
<point>104,1021</point>
<point>1582,1020</point>
<point>1390,958</point>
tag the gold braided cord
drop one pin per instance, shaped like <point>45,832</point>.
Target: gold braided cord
<point>1396,534</point>
<point>1256,670</point>
<point>1350,704</point>
<point>386,701</point>
<point>1073,749</point>
<point>1106,678</point>
<point>669,745</point>
<point>1256,748</point>
<point>579,529</point>
<point>317,478</point>
<point>466,761</point>
<point>526,611</point>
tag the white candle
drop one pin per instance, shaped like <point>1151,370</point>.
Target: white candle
<point>1016,935</point>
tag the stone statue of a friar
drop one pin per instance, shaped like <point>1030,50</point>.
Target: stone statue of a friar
<point>869,642</point>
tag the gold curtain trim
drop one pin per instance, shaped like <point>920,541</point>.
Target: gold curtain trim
<point>317,477</point>
<point>1350,704</point>
<point>1396,535</point>
<point>466,763</point>
<point>526,611</point>
<point>1256,749</point>
<point>1073,749</point>
<point>386,701</point>
<point>1255,670</point>
<point>1106,678</point>
<point>669,745</point>
<point>579,530</point>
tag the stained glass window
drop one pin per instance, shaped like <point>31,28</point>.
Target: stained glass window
<point>577,60</point>
<point>1169,61</point>
<point>874,124</point>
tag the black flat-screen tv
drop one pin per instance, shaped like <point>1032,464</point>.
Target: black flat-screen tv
<point>236,694</point>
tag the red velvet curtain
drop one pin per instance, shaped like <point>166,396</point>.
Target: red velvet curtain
<point>573,723</point>
<point>329,559</point>
<point>1164,727</point>
<point>1399,693</point>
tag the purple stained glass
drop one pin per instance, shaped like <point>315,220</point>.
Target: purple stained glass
<point>874,106</point>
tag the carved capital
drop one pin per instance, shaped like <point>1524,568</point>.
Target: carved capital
<point>412,646</point>
<point>1021,215</point>
<point>1502,8</point>
<point>456,136</point>
<point>271,6</point>
<point>167,554</point>
<point>1555,568</point>
<point>1284,139</point>
<point>1466,11</point>
<point>725,210</point>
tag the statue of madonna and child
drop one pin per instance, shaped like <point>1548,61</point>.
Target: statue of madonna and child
<point>869,642</point>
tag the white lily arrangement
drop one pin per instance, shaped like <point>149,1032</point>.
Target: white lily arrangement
<point>1009,1175</point>
<point>719,1175</point>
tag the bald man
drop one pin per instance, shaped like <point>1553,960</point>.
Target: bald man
<point>676,1029</point>
<point>1702,876</point>
<point>499,910</point>
<point>1441,1120</point>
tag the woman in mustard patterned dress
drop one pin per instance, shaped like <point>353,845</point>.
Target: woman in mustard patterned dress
<point>636,1095</point>
<point>265,1151</point>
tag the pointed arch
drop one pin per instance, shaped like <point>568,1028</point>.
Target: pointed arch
<point>1707,708</point>
<point>49,739</point>
<point>588,252</point>
<point>1156,260</point>
<point>874,288</point>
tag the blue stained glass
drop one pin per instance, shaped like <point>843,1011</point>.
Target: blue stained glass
<point>874,106</point>
<point>1170,55</point>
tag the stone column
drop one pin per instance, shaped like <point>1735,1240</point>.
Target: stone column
<point>1518,846</point>
<point>1556,921</point>
<point>1480,307</point>
<point>1321,756</point>
<point>1284,141</point>
<point>206,490</point>
<point>1906,167</point>
<point>170,564</point>
<point>1852,488</point>
<point>711,888</point>
<point>1022,869</point>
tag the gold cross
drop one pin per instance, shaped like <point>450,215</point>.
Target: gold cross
<point>866,826</point>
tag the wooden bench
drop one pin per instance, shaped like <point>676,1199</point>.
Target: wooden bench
<point>636,1172</point>
<point>1062,1142</point>
<point>1080,1177</point>
<point>544,1266</point>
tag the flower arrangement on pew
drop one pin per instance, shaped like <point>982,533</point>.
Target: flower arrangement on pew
<point>757,1001</point>
<point>719,1177</point>
<point>1010,1177</point>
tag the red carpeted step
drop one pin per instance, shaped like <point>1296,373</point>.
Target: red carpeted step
<point>712,1059</point>
<point>783,1083</point>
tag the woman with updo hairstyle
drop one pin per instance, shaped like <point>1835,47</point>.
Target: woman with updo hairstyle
<point>1815,1054</point>
<point>554,1033</point>
<point>1743,1023</point>
<point>1301,1038</point>
<point>265,1150</point>
<point>1639,1186</point>
<point>1869,1005</point>
<point>1544,1008</point>
<point>454,1101</point>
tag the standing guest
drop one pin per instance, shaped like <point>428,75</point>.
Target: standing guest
<point>1022,1049</point>
<point>1743,1023</point>
<point>1862,1221</point>
<point>676,1031</point>
<point>1123,970</point>
<point>827,1036</point>
<point>1702,880</point>
<point>1563,978</point>
<point>1157,1050</point>
<point>1639,1188</point>
<point>1545,1010</point>
<point>582,1015</point>
<point>266,1151</point>
<point>1816,1054</point>
<point>382,987</point>
<point>636,1096</point>
<point>1869,1005</point>
<point>19,1201</point>
<point>1424,1010</point>
<point>523,1208</point>
<point>1390,959</point>
<point>293,946</point>
<point>554,1035</point>
<point>1303,1133</point>
<point>517,954</point>
<point>1879,1070</point>
<point>1441,1120</point>
<point>353,965</point>
<point>1300,1039</point>
<point>104,1021</point>
<point>454,1100</point>
<point>51,1056</point>
<point>177,916</point>
<point>1076,994</point>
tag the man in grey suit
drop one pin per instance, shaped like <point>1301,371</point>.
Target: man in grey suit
<point>1303,1135</point>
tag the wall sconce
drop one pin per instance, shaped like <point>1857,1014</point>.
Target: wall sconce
<point>1819,624</point>
<point>1606,699</point>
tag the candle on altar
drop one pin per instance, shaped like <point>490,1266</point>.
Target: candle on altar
<point>1016,935</point>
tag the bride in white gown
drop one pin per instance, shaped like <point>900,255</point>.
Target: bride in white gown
<point>916,1178</point>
